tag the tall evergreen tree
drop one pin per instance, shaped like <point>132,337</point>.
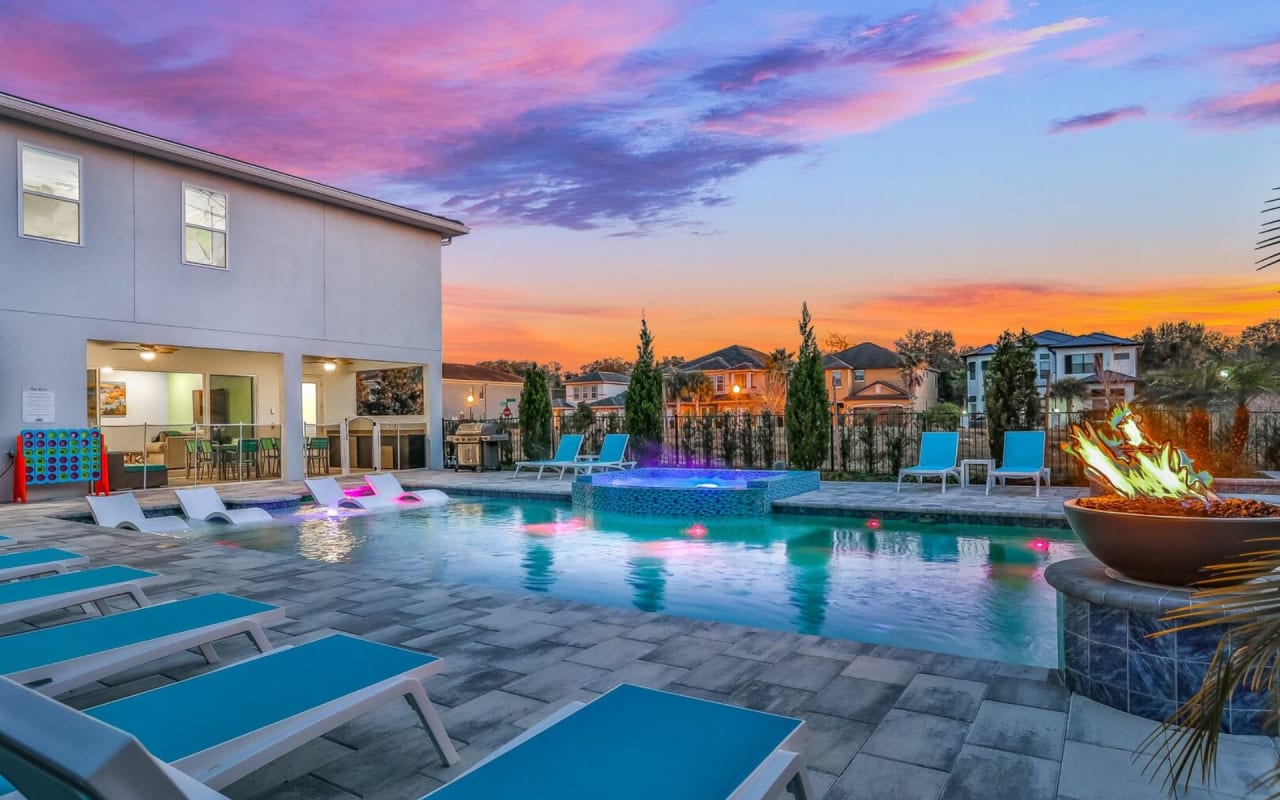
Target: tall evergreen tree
<point>535,415</point>
<point>1012,399</point>
<point>808,417</point>
<point>643,412</point>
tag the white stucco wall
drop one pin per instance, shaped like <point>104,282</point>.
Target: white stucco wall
<point>304,278</point>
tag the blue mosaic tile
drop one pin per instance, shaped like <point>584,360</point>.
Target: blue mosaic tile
<point>1109,695</point>
<point>1077,682</point>
<point>1075,615</point>
<point>1109,625</point>
<point>1140,628</point>
<point>1075,653</point>
<point>752,495</point>
<point>1251,723</point>
<point>1246,699</point>
<point>1148,707</point>
<point>1109,664</point>
<point>1152,675</point>
<point>1190,676</point>
<point>1198,644</point>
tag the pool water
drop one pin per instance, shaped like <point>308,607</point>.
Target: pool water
<point>970,590</point>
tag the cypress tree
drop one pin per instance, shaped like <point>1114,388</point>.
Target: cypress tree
<point>807,415</point>
<point>644,402</point>
<point>535,415</point>
<point>1012,398</point>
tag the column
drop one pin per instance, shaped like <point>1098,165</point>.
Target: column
<point>292,436</point>
<point>434,409</point>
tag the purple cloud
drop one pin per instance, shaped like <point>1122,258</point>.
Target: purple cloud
<point>1099,119</point>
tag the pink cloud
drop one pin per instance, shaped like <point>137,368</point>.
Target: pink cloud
<point>982,12</point>
<point>1257,106</point>
<point>1099,119</point>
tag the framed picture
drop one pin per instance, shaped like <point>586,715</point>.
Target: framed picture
<point>112,398</point>
<point>389,392</point>
<point>91,411</point>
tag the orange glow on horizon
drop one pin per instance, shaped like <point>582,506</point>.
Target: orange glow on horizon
<point>574,333</point>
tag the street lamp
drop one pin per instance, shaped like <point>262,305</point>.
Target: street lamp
<point>471,399</point>
<point>737,390</point>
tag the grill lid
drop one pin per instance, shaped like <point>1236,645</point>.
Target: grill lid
<point>476,429</point>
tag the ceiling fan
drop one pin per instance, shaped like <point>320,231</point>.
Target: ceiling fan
<point>160,349</point>
<point>328,364</point>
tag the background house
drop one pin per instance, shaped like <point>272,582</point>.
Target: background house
<point>594,386</point>
<point>868,376</point>
<point>732,366</point>
<point>490,390</point>
<point>167,294</point>
<point>1061,355</point>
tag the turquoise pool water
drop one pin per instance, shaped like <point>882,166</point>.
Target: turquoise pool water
<point>965,589</point>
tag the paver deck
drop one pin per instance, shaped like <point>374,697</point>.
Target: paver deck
<point>882,721</point>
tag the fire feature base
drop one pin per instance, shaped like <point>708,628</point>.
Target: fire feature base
<point>1107,656</point>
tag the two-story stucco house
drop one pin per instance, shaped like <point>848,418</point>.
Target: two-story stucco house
<point>1090,357</point>
<point>868,376</point>
<point>591,387</point>
<point>169,294</point>
<point>737,375</point>
<point>469,391</point>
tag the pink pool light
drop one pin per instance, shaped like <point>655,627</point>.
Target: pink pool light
<point>555,528</point>
<point>1039,545</point>
<point>697,530</point>
<point>873,524</point>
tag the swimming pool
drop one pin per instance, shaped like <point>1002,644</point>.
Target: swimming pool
<point>964,589</point>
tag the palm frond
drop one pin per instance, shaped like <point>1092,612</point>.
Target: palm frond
<point>1266,242</point>
<point>1245,595</point>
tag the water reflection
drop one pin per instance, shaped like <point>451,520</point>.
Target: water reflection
<point>325,539</point>
<point>647,575</point>
<point>809,579</point>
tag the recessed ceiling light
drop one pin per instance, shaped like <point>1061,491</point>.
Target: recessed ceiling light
<point>147,355</point>
<point>106,370</point>
<point>329,366</point>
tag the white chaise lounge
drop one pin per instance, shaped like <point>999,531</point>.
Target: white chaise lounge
<point>211,729</point>
<point>384,484</point>
<point>327,492</point>
<point>44,561</point>
<point>123,511</point>
<point>205,504</point>
<point>25,599</point>
<point>64,657</point>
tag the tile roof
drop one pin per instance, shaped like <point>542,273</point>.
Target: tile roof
<point>894,392</point>
<point>1112,375</point>
<point>600,377</point>
<point>617,401</point>
<point>735,356</point>
<point>1055,340</point>
<point>867,355</point>
<point>471,372</point>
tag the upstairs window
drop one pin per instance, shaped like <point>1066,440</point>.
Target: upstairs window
<point>718,382</point>
<point>1080,364</point>
<point>837,379</point>
<point>50,195</point>
<point>973,370</point>
<point>204,227</point>
<point>859,376</point>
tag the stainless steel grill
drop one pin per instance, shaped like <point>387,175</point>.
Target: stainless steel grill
<point>476,446</point>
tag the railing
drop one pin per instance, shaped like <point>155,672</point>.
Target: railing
<point>874,445</point>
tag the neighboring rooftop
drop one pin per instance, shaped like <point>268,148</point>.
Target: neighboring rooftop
<point>471,372</point>
<point>57,119</point>
<point>867,355</point>
<point>1057,340</point>
<point>617,401</point>
<point>735,356</point>
<point>599,377</point>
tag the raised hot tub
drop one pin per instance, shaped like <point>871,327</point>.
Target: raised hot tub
<point>690,492</point>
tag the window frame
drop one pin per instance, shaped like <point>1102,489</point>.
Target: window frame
<point>859,376</point>
<point>226,231</point>
<point>79,201</point>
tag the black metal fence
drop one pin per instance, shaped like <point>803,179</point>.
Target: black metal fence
<point>875,445</point>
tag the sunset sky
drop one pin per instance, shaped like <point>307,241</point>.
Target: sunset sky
<point>964,165</point>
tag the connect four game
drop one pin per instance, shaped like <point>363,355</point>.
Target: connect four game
<point>59,455</point>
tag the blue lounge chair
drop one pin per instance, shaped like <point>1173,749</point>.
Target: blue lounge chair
<point>45,561</point>
<point>63,657</point>
<point>642,743</point>
<point>24,599</point>
<point>1023,458</point>
<point>210,729</point>
<point>938,451</point>
<point>613,453</point>
<point>566,456</point>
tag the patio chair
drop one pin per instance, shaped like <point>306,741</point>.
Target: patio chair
<point>327,492</point>
<point>613,452</point>
<point>45,561</point>
<point>24,599</point>
<point>205,504</point>
<point>123,511</point>
<point>566,456</point>
<point>64,657</point>
<point>318,455</point>
<point>211,729</point>
<point>1023,458</point>
<point>620,745</point>
<point>384,484</point>
<point>938,451</point>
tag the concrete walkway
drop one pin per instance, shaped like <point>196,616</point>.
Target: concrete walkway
<point>883,722</point>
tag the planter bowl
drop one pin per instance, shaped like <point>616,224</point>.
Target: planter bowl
<point>1168,550</point>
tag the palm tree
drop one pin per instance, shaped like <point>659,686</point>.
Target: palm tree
<point>689,385</point>
<point>913,365</point>
<point>1071,390</point>
<point>1196,389</point>
<point>1244,383</point>
<point>777,369</point>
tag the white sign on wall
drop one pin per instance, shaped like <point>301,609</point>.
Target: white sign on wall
<point>37,404</point>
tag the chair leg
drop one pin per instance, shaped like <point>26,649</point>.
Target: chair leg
<point>210,656</point>
<point>418,699</point>
<point>800,787</point>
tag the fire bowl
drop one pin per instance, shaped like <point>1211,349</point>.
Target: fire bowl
<point>1168,550</point>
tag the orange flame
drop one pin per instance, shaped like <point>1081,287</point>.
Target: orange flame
<point>1119,455</point>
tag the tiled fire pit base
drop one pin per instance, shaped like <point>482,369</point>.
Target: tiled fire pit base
<point>1108,656</point>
